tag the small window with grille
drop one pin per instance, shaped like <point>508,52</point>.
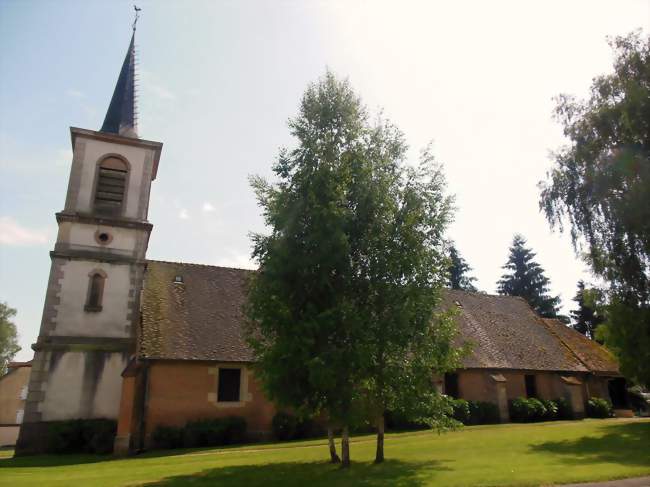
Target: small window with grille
<point>111,186</point>
<point>229,385</point>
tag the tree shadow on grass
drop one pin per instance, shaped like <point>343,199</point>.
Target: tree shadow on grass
<point>314,474</point>
<point>625,444</point>
<point>29,461</point>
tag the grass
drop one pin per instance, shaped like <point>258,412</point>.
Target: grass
<point>512,454</point>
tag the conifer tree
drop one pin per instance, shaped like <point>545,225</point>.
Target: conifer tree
<point>458,271</point>
<point>525,278</point>
<point>586,318</point>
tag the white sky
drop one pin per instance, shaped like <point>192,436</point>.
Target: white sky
<point>220,79</point>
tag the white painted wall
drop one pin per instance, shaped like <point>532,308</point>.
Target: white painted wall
<point>97,150</point>
<point>111,321</point>
<point>63,398</point>
<point>82,236</point>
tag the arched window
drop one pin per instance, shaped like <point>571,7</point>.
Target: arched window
<point>111,186</point>
<point>95,291</point>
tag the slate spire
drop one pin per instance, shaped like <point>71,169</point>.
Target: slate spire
<point>121,117</point>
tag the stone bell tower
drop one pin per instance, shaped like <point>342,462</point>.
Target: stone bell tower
<point>91,308</point>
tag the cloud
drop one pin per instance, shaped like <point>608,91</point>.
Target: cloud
<point>208,207</point>
<point>63,157</point>
<point>150,83</point>
<point>238,260</point>
<point>183,214</point>
<point>13,234</point>
<point>75,93</point>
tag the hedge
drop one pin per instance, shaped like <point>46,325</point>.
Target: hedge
<point>201,433</point>
<point>286,427</point>
<point>599,408</point>
<point>475,412</point>
<point>526,410</point>
<point>81,436</point>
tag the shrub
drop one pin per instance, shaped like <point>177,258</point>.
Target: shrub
<point>482,412</point>
<point>214,432</point>
<point>551,410</point>
<point>398,421</point>
<point>283,426</point>
<point>81,436</point>
<point>522,410</point>
<point>168,437</point>
<point>537,410</point>
<point>564,409</point>
<point>461,411</point>
<point>599,408</point>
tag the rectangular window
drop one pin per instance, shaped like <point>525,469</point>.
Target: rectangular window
<point>19,416</point>
<point>23,393</point>
<point>229,385</point>
<point>451,385</point>
<point>531,386</point>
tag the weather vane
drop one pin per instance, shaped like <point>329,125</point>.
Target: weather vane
<point>137,15</point>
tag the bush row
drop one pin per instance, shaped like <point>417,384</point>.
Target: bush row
<point>527,410</point>
<point>599,408</point>
<point>205,432</point>
<point>81,436</point>
<point>286,427</point>
<point>475,412</point>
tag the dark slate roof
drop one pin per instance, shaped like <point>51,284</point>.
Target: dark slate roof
<point>121,115</point>
<point>202,319</point>
<point>596,357</point>
<point>505,333</point>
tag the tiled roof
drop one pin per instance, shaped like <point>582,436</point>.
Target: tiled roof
<point>198,319</point>
<point>505,333</point>
<point>202,319</point>
<point>596,357</point>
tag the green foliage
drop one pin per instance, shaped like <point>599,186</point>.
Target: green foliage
<point>200,433</point>
<point>342,314</point>
<point>599,408</point>
<point>600,186</point>
<point>81,436</point>
<point>564,408</point>
<point>167,437</point>
<point>526,410</point>
<point>461,411</point>
<point>551,409</point>
<point>284,426</point>
<point>8,337</point>
<point>589,315</point>
<point>458,271</point>
<point>475,412</point>
<point>525,278</point>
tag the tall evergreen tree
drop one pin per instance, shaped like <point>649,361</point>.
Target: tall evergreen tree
<point>586,318</point>
<point>525,278</point>
<point>458,271</point>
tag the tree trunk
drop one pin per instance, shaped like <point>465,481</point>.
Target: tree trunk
<point>334,458</point>
<point>345,447</point>
<point>379,456</point>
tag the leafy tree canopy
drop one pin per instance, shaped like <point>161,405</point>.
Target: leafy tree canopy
<point>8,337</point>
<point>342,311</point>
<point>458,271</point>
<point>525,278</point>
<point>600,186</point>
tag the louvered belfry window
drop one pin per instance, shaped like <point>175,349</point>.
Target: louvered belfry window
<point>111,186</point>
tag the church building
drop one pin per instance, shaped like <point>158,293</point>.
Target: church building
<point>151,343</point>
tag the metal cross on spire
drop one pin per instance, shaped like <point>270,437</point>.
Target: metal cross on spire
<point>137,15</point>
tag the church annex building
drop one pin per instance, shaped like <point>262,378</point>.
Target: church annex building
<point>151,343</point>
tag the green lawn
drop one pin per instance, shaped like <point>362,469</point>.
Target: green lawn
<point>531,454</point>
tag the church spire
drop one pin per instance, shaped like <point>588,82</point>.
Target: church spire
<point>121,117</point>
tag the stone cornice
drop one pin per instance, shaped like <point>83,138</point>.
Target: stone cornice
<point>96,256</point>
<point>103,220</point>
<point>119,139</point>
<point>84,344</point>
